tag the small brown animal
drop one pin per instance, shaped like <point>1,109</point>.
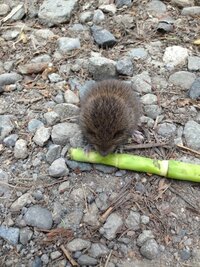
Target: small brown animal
<point>109,115</point>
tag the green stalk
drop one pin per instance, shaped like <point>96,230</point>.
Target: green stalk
<point>167,168</point>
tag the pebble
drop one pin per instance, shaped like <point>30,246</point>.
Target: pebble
<point>41,58</point>
<point>156,7</point>
<point>9,78</point>
<point>86,16</point>
<point>150,249</point>
<point>103,37</point>
<point>19,14</point>
<point>104,168</point>
<point>53,153</point>
<point>111,226</point>
<point>6,126</point>
<point>4,9</point>
<point>145,219</point>
<point>55,78</point>
<point>85,260</point>
<point>10,140</point>
<point>144,236</point>
<point>125,67</point>
<point>183,3</point>
<point>44,34</point>
<point>192,133</point>
<point>37,262</point>
<point>98,250</point>
<point>111,8</point>
<point>10,35</point>
<point>42,136</point>
<point>149,99</point>
<point>78,244</point>
<point>25,235</point>
<point>184,79</point>
<point>138,53</point>
<point>63,187</point>
<point>45,259</point>
<point>38,195</point>
<point>58,168</point>
<point>39,217</point>
<point>193,63</point>
<point>75,165</point>
<point>55,255</point>
<point>72,220</point>
<point>19,203</point>
<point>65,110</point>
<point>21,149</point>
<point>185,254</point>
<point>70,97</point>
<point>194,91</point>
<point>121,3</point>
<point>152,111</point>
<point>10,234</point>
<point>4,188</point>
<point>133,220</point>
<point>91,216</point>
<point>66,44</point>
<point>101,67</point>
<point>175,55</point>
<point>142,82</point>
<point>62,132</point>
<point>51,118</point>
<point>191,11</point>
<point>34,124</point>
<point>166,129</point>
<point>98,16</point>
<point>54,12</point>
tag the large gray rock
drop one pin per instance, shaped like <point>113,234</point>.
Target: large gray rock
<point>175,55</point>
<point>150,249</point>
<point>9,78</point>
<point>40,217</point>
<point>103,37</point>
<point>191,11</point>
<point>183,79</point>
<point>58,168</point>
<point>53,12</point>
<point>86,260</point>
<point>194,63</point>
<point>42,136</point>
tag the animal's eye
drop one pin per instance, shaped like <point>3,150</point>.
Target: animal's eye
<point>118,133</point>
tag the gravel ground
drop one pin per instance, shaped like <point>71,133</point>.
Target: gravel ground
<point>57,212</point>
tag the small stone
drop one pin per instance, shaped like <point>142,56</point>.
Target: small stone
<point>152,111</point>
<point>25,235</point>
<point>138,53</point>
<point>149,99</point>
<point>101,67</point>
<point>4,9</point>
<point>192,133</point>
<point>183,3</point>
<point>103,37</point>
<point>156,7</point>
<point>4,185</point>
<point>34,124</point>
<point>150,249</point>
<point>71,97</point>
<point>175,55</point>
<point>42,136</point>
<point>41,58</point>
<point>18,204</point>
<point>111,8</point>
<point>66,110</point>
<point>58,168</point>
<point>53,153</point>
<point>183,79</point>
<point>193,63</point>
<point>166,129</point>
<point>91,216</point>
<point>142,82</point>
<point>104,169</point>
<point>86,260</point>
<point>98,16</point>
<point>10,140</point>
<point>78,244</point>
<point>62,132</point>
<point>194,91</point>
<point>10,35</point>
<point>19,14</point>
<point>121,3</point>
<point>86,16</point>
<point>125,67</point>
<point>133,220</point>
<point>37,262</point>
<point>9,78</point>
<point>38,195</point>
<point>10,234</point>
<point>55,255</point>
<point>98,250</point>
<point>144,219</point>
<point>144,236</point>
<point>45,259</point>
<point>44,34</point>
<point>57,11</point>
<point>66,44</point>
<point>75,165</point>
<point>6,126</point>
<point>20,149</point>
<point>63,187</point>
<point>111,226</point>
<point>51,117</point>
<point>191,11</point>
<point>55,78</point>
<point>72,220</point>
<point>185,254</point>
<point>40,217</point>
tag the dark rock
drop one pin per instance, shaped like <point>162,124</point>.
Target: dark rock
<point>103,37</point>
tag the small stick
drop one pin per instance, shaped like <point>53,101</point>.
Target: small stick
<point>189,149</point>
<point>107,261</point>
<point>85,198</point>
<point>68,256</point>
<point>105,215</point>
<point>142,146</point>
<point>57,182</point>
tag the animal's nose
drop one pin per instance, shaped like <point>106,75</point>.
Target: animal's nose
<point>103,153</point>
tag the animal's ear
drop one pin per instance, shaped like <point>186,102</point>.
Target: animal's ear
<point>118,133</point>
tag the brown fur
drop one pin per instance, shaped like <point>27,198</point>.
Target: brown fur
<point>109,114</point>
